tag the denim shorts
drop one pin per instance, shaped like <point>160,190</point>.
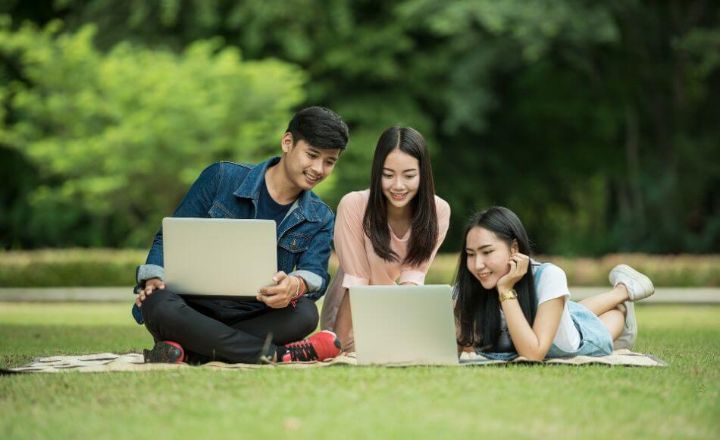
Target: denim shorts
<point>595,338</point>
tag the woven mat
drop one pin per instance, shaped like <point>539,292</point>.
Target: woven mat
<point>104,362</point>
<point>622,357</point>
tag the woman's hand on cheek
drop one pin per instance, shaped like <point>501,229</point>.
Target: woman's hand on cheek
<point>518,267</point>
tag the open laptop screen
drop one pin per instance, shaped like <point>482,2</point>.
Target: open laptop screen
<point>406,325</point>
<point>226,257</point>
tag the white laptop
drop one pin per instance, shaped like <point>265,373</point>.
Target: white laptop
<point>404,325</point>
<point>225,257</point>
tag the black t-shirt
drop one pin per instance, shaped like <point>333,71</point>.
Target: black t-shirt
<point>269,209</point>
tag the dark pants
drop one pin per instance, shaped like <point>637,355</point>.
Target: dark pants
<point>226,330</point>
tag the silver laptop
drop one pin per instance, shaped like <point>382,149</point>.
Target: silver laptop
<point>226,257</point>
<point>404,325</point>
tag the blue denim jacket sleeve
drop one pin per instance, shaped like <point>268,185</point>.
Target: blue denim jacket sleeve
<point>315,259</point>
<point>196,203</point>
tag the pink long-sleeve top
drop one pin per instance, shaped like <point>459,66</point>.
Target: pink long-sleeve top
<point>360,264</point>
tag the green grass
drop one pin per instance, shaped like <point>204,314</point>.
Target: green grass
<point>680,401</point>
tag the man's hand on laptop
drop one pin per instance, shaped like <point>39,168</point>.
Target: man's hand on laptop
<point>279,295</point>
<point>151,285</point>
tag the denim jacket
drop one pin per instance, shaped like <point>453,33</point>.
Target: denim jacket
<point>230,190</point>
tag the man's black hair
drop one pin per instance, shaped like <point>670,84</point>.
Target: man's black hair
<point>319,127</point>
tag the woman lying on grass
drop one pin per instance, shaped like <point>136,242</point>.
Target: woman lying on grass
<point>508,304</point>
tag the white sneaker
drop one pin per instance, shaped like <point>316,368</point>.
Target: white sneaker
<point>630,329</point>
<point>638,285</point>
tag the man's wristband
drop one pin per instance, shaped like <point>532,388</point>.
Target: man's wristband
<point>300,289</point>
<point>297,288</point>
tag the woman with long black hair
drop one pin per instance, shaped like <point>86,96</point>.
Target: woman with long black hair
<point>390,233</point>
<point>507,304</point>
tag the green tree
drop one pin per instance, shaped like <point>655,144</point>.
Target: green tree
<point>118,136</point>
<point>596,121</point>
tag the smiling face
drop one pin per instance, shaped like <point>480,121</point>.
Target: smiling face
<point>488,256</point>
<point>305,165</point>
<point>400,178</point>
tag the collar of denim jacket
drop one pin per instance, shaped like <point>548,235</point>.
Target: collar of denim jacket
<point>250,189</point>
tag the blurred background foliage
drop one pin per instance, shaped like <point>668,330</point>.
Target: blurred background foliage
<point>596,121</point>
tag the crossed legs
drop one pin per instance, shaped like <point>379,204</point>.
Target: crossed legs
<point>208,332</point>
<point>608,306</point>
<point>615,308</point>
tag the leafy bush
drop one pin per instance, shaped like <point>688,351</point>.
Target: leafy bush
<point>118,137</point>
<point>107,267</point>
<point>69,267</point>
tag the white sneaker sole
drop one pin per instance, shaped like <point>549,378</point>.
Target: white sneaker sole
<point>641,279</point>
<point>627,338</point>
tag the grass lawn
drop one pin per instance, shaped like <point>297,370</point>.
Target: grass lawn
<point>680,401</point>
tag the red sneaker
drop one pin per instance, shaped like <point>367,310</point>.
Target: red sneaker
<point>168,352</point>
<point>318,347</point>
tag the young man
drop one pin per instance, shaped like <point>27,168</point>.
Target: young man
<point>270,328</point>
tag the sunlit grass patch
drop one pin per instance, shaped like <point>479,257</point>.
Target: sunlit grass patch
<point>679,401</point>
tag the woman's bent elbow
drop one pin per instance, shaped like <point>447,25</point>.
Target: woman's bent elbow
<point>533,354</point>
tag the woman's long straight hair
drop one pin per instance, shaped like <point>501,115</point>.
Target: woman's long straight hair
<point>423,237</point>
<point>477,310</point>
